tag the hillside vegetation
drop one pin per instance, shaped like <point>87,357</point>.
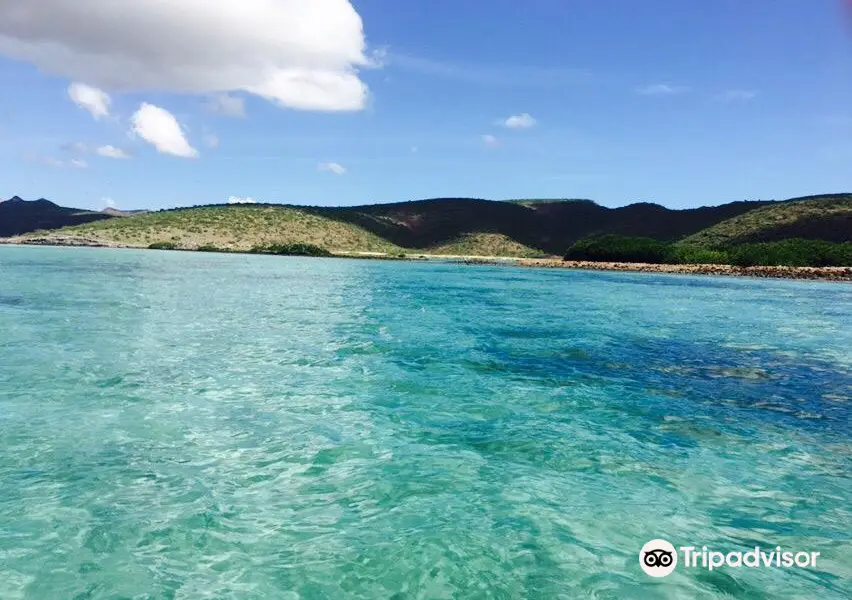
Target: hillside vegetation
<point>814,231</point>
<point>238,228</point>
<point>246,227</point>
<point>548,226</point>
<point>464,226</point>
<point>793,252</point>
<point>485,244</point>
<point>826,218</point>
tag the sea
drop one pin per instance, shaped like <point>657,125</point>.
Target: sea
<point>179,425</point>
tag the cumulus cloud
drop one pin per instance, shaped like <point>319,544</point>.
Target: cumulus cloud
<point>331,167</point>
<point>736,96</point>
<point>85,96</point>
<point>521,121</point>
<point>227,106</point>
<point>490,141</point>
<point>241,200</point>
<point>108,202</point>
<point>161,129</point>
<point>300,54</point>
<point>661,89</point>
<point>112,152</point>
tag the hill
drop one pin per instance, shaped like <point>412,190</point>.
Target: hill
<point>231,227</point>
<point>462,226</point>
<point>19,216</point>
<point>825,217</point>
<point>549,226</point>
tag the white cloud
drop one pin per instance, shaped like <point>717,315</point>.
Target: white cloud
<point>521,121</point>
<point>112,152</point>
<point>661,89</point>
<point>299,54</point>
<point>490,141</point>
<point>331,167</point>
<point>85,96</point>
<point>159,128</point>
<point>241,200</point>
<point>78,163</point>
<point>108,202</point>
<point>227,106</point>
<point>737,96</point>
<point>211,140</point>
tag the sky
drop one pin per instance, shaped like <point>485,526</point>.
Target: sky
<point>330,102</point>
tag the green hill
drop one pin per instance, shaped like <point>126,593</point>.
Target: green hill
<point>465,226</point>
<point>484,244</point>
<point>549,226</point>
<point>231,227</point>
<point>244,227</point>
<point>826,217</point>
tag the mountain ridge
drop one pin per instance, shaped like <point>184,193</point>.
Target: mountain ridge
<point>539,226</point>
<point>18,216</point>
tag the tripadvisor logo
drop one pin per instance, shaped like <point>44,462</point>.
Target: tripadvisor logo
<point>658,558</point>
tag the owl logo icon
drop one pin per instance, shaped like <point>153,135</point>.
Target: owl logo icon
<point>658,558</point>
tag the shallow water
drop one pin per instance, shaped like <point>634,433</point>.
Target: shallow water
<point>179,425</point>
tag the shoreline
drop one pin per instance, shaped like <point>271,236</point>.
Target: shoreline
<point>836,274</point>
<point>839,274</point>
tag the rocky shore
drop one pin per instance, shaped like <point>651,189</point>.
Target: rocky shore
<point>823,273</point>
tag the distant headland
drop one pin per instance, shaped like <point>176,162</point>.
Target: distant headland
<point>814,231</point>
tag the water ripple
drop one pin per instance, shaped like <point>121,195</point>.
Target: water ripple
<point>187,426</point>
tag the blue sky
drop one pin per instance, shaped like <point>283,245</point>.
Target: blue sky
<point>680,103</point>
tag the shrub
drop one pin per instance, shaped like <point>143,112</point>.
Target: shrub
<point>162,246</point>
<point>291,250</point>
<point>211,248</point>
<point>696,255</point>
<point>617,248</point>
<point>793,252</point>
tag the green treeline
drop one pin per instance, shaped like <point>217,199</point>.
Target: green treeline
<point>291,250</point>
<point>792,252</point>
<point>163,246</point>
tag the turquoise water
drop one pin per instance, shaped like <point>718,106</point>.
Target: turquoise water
<point>179,425</point>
